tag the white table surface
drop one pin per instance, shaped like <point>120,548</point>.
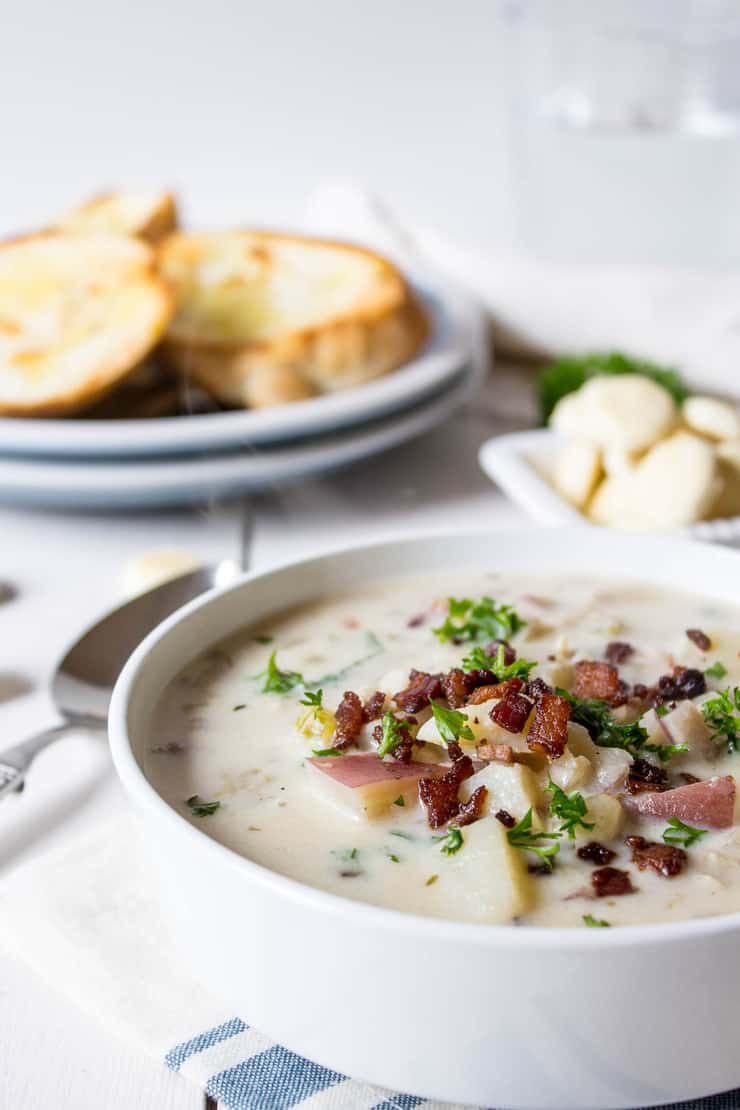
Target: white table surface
<point>66,569</point>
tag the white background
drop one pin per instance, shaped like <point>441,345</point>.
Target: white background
<point>245,106</point>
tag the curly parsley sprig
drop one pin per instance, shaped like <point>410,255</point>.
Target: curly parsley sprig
<point>478,659</point>
<point>679,833</point>
<point>595,716</point>
<point>451,725</point>
<point>571,809</point>
<point>474,621</point>
<point>522,836</point>
<point>722,714</point>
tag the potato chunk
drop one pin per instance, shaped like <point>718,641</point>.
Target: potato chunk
<point>511,786</point>
<point>606,815</point>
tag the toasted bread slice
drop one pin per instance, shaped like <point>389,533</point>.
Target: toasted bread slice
<point>77,313</point>
<point>264,318</point>
<point>147,216</point>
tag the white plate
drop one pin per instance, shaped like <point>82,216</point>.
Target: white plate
<point>145,483</point>
<point>444,356</point>
<point>518,464</point>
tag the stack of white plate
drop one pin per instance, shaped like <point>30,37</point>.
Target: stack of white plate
<point>174,460</point>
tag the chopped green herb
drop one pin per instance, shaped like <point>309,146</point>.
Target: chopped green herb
<point>399,801</point>
<point>431,879</point>
<point>679,833</point>
<point>314,700</point>
<point>479,660</point>
<point>722,714</point>
<point>661,710</point>
<point>451,725</point>
<point>451,843</point>
<point>263,639</point>
<point>717,670</point>
<point>393,859</point>
<point>199,808</point>
<point>665,752</point>
<point>277,681</point>
<point>403,835</point>
<point>569,373</point>
<point>471,621</point>
<point>391,734</point>
<point>595,922</point>
<point>521,836</point>
<point>320,753</point>
<point>596,718</point>
<point>351,853</point>
<point>568,808</point>
<point>242,705</point>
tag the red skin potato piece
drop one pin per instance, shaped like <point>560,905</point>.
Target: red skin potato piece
<point>709,803</point>
<point>361,770</point>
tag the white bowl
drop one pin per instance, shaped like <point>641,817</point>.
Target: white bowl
<point>518,464</point>
<point>563,1019</point>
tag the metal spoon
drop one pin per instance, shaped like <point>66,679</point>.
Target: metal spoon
<point>84,679</point>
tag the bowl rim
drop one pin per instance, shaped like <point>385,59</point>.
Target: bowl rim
<point>540,937</point>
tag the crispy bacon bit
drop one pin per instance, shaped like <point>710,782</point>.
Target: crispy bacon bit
<point>622,696</point>
<point>373,707</point>
<point>549,731</point>
<point>511,712</point>
<point>421,689</point>
<point>495,690</point>
<point>608,882</point>
<point>699,638</point>
<point>666,859</point>
<point>479,677</point>
<point>456,685</point>
<point>537,688</point>
<point>506,819</point>
<point>417,621</point>
<point>349,718</point>
<point>618,652</point>
<point>708,804</point>
<point>685,682</point>
<point>509,652</point>
<point>595,679</point>
<point>644,775</point>
<point>472,810</point>
<point>640,691</point>
<point>496,753</point>
<point>597,853</point>
<point>439,795</point>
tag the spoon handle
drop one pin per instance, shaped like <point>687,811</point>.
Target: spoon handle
<point>15,761</point>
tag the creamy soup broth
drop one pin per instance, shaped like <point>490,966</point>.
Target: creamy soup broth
<point>218,737</point>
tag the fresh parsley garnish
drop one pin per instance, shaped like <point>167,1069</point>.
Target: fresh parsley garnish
<point>595,922</point>
<point>399,801</point>
<point>320,753</point>
<point>313,699</point>
<point>451,725</point>
<point>391,734</point>
<point>401,834</point>
<point>470,621</point>
<point>522,836</point>
<point>451,843</point>
<point>568,808</point>
<point>717,670</point>
<point>242,705</point>
<point>478,659</point>
<point>661,710</point>
<point>679,833</point>
<point>665,752</point>
<point>570,372</point>
<point>277,681</point>
<point>199,808</point>
<point>263,639</point>
<point>596,718</point>
<point>393,859</point>
<point>722,714</point>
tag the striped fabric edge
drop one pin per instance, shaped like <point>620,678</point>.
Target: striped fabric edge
<point>243,1070</point>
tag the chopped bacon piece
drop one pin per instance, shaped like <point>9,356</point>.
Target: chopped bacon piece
<point>374,706</point>
<point>456,685</point>
<point>481,678</point>
<point>349,718</point>
<point>618,652</point>
<point>511,712</point>
<point>417,621</point>
<point>699,638</point>
<point>439,795</point>
<point>537,688</point>
<point>645,776</point>
<point>666,859</point>
<point>594,852</point>
<point>549,731</point>
<point>403,751</point>
<point>422,687</point>
<point>595,679</point>
<point>366,768</point>
<point>505,818</point>
<point>608,882</point>
<point>496,753</point>
<point>685,682</point>
<point>509,652</point>
<point>709,803</point>
<point>495,690</point>
<point>472,810</point>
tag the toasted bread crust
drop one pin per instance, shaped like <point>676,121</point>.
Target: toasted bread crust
<point>77,315</point>
<point>381,330</point>
<point>151,224</point>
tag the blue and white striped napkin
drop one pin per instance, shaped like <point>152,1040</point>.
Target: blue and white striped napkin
<point>87,919</point>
